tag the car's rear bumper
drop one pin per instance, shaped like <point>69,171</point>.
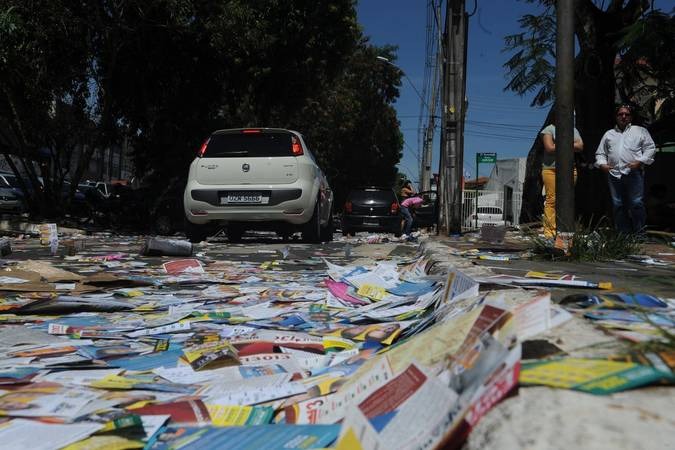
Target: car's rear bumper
<point>371,223</point>
<point>293,203</point>
<point>472,224</point>
<point>10,206</point>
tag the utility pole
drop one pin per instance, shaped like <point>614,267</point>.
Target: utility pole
<point>425,172</point>
<point>564,109</point>
<point>453,113</point>
<point>428,137</point>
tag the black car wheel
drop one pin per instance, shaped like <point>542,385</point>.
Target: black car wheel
<point>234,233</point>
<point>312,229</point>
<point>328,230</point>
<point>196,233</point>
<point>163,225</point>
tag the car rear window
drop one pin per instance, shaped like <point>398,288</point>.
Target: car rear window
<point>372,194</point>
<point>237,145</point>
<point>489,210</point>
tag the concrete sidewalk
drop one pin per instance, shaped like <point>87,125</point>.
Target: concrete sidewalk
<point>546,418</point>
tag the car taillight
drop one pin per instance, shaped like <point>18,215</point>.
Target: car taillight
<point>296,148</point>
<point>251,131</point>
<point>202,149</point>
<point>348,207</point>
<point>394,208</point>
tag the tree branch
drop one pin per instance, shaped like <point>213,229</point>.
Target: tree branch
<point>633,9</point>
<point>615,6</point>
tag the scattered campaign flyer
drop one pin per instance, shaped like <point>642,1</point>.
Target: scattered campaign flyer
<point>105,348</point>
<point>183,265</point>
<point>255,437</point>
<point>211,355</point>
<point>595,376</point>
<point>234,415</point>
<point>23,433</point>
<point>190,412</point>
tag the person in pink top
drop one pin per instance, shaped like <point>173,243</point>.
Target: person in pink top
<point>407,205</point>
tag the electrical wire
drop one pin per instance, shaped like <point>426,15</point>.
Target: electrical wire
<point>514,126</point>
<point>475,6</point>
<point>498,136</point>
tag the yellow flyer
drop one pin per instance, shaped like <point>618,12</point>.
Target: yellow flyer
<point>372,292</point>
<point>234,415</point>
<point>596,376</point>
<point>213,355</point>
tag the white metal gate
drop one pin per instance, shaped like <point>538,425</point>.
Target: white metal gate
<point>508,202</point>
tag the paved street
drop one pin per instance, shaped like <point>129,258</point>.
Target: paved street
<point>267,343</point>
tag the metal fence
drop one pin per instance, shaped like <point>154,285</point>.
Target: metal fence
<point>507,200</point>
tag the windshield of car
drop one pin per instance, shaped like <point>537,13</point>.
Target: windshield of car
<point>237,145</point>
<point>377,195</point>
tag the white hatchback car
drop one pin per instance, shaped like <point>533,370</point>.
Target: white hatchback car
<point>257,178</point>
<point>487,215</point>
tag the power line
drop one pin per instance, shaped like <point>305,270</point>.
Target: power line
<point>499,136</point>
<point>506,125</point>
<point>416,153</point>
<point>502,104</point>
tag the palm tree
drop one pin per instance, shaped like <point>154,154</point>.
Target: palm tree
<point>603,33</point>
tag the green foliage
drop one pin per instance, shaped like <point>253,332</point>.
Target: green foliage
<point>44,79</point>
<point>592,243</point>
<point>532,68</point>
<point>357,136</point>
<point>77,77</point>
<point>645,43</point>
<point>604,244</point>
<point>647,65</point>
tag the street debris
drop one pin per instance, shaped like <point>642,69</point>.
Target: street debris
<point>5,247</point>
<point>595,376</point>
<point>543,281</point>
<point>104,348</point>
<point>166,247</point>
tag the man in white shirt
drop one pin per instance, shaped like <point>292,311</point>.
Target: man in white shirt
<point>622,153</point>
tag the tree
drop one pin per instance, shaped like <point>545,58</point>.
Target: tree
<point>78,77</point>
<point>292,64</point>
<point>646,71</point>
<point>44,112</point>
<point>601,31</point>
<point>354,126</point>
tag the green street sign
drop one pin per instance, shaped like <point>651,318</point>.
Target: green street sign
<point>486,158</point>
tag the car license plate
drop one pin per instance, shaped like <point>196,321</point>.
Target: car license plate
<point>243,198</point>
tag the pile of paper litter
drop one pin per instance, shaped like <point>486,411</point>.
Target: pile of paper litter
<point>108,349</point>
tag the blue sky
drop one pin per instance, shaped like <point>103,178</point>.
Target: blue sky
<point>497,121</point>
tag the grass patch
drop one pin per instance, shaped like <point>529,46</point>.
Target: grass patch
<point>591,243</point>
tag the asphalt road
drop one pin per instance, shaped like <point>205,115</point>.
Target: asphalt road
<point>625,276</point>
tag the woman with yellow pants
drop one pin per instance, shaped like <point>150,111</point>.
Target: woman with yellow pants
<point>548,175</point>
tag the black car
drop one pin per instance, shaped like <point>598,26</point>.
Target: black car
<point>371,209</point>
<point>426,215</point>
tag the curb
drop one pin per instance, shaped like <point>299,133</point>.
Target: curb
<point>442,261</point>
